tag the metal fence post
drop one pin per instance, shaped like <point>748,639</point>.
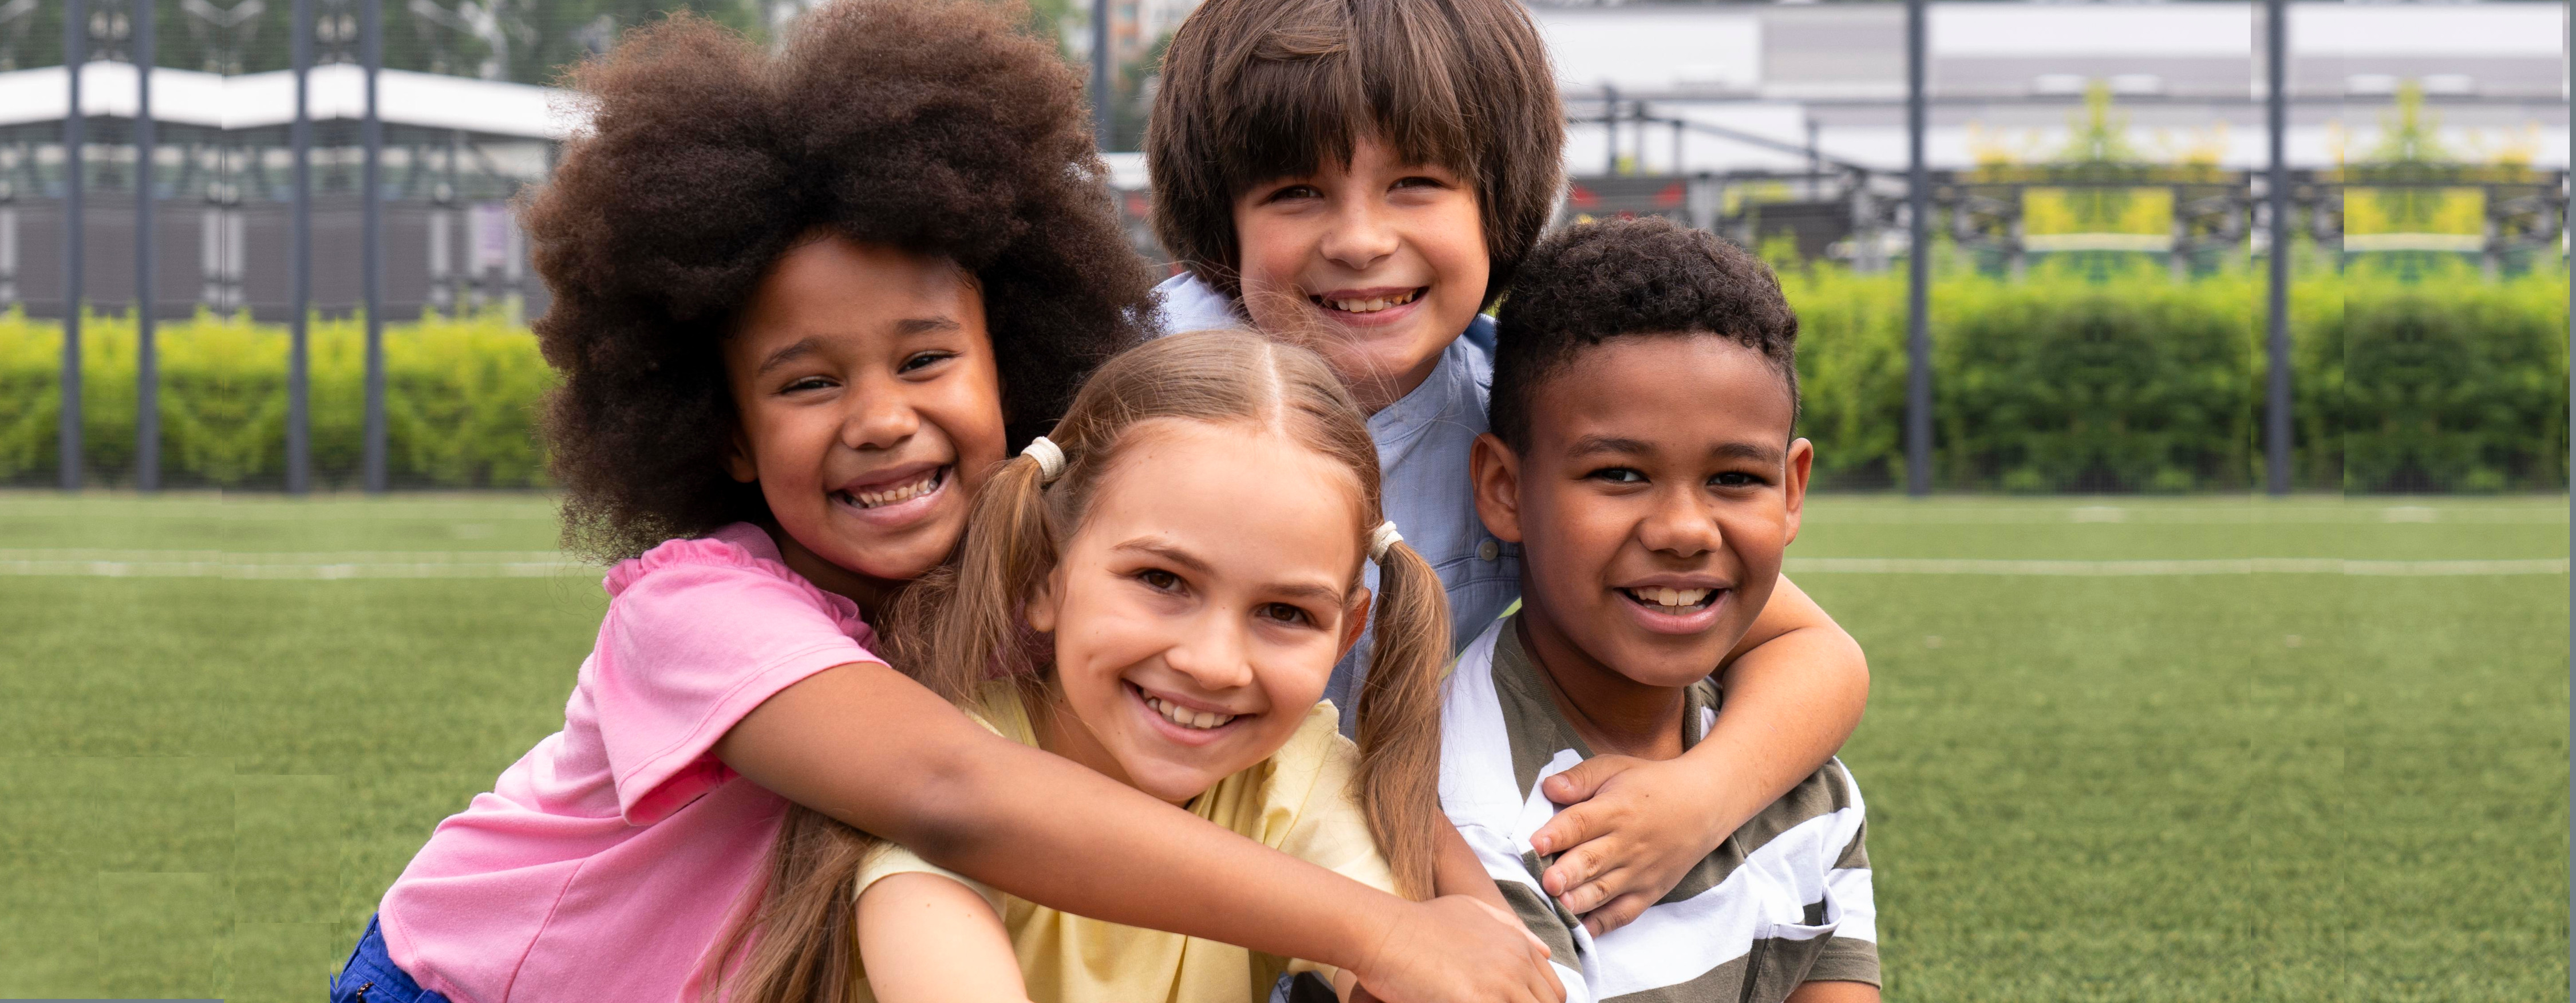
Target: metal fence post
<point>2276,340</point>
<point>1918,262</point>
<point>372,51</point>
<point>1100,116</point>
<point>147,352</point>
<point>299,418</point>
<point>75,223</point>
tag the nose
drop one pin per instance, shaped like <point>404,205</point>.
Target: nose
<point>1360,235</point>
<point>1680,525</point>
<point>1211,652</point>
<point>878,415</point>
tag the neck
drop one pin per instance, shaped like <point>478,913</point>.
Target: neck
<point>872,594</point>
<point>1061,732</point>
<point>1614,714</point>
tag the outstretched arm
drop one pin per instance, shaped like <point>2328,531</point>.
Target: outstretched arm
<point>1795,689</point>
<point>872,748</point>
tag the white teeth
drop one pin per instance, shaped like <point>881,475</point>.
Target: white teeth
<point>1186,717</point>
<point>1672,600</point>
<point>872,499</point>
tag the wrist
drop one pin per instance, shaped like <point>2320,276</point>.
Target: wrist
<point>1361,936</point>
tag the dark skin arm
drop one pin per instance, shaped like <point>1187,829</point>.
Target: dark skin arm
<point>1795,689</point>
<point>1011,816</point>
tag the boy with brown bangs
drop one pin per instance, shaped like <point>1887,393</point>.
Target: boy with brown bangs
<point>1644,454</point>
<point>1363,177</point>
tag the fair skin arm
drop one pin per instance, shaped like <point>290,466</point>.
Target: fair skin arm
<point>926,938</point>
<point>1835,992</point>
<point>1007,814</point>
<point>1795,689</point>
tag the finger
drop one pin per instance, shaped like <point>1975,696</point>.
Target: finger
<point>1554,988</point>
<point>1589,862</point>
<point>1616,913</point>
<point>1585,779</point>
<point>1590,895</point>
<point>1571,828</point>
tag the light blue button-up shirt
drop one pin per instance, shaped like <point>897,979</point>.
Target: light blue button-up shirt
<point>1422,446</point>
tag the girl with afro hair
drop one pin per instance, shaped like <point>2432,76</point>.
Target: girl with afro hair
<point>805,302</point>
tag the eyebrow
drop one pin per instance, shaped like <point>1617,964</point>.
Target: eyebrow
<point>1176,555</point>
<point>907,328</point>
<point>1748,451</point>
<point>1592,445</point>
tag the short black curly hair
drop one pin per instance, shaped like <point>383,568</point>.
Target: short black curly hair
<point>1592,282</point>
<point>935,126</point>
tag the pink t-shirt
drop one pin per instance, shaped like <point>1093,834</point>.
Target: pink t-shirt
<point>606,861</point>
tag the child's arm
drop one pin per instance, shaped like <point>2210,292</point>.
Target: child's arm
<point>1795,688</point>
<point>924,937</point>
<point>866,745</point>
<point>1834,992</point>
<point>1456,871</point>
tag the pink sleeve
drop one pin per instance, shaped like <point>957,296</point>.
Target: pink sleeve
<point>698,633</point>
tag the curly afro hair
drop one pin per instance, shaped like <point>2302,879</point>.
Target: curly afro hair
<point>1587,284</point>
<point>930,125</point>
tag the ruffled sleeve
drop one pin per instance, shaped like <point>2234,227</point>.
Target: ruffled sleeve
<point>698,633</point>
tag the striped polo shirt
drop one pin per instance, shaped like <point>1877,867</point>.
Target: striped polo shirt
<point>1784,901</point>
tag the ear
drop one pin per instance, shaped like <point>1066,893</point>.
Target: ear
<point>1040,613</point>
<point>738,461</point>
<point>1496,473</point>
<point>1354,622</point>
<point>1802,460</point>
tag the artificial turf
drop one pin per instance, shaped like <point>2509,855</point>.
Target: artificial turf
<point>2161,787</point>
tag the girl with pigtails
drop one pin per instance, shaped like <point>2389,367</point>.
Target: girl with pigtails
<point>1158,590</point>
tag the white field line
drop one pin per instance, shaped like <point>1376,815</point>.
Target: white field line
<point>293,566</point>
<point>552,564</point>
<point>2124,569</point>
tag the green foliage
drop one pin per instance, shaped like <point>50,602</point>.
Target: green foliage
<point>459,411</point>
<point>2132,382</point>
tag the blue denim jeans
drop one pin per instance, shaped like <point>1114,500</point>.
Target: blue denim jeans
<point>370,976</point>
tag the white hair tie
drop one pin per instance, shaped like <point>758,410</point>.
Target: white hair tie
<point>1382,538</point>
<point>1050,458</point>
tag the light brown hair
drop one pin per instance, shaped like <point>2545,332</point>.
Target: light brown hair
<point>1255,90</point>
<point>955,629</point>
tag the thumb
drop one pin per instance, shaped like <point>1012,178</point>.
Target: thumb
<point>1585,779</point>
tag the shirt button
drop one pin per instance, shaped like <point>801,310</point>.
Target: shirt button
<point>1488,550</point>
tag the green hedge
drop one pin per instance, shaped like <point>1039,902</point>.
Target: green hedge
<point>2433,379</point>
<point>2426,379</point>
<point>459,405</point>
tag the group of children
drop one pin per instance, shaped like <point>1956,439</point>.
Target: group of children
<point>990,623</point>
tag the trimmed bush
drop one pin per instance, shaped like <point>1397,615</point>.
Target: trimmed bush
<point>460,401</point>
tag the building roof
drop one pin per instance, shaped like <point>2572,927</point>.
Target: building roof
<point>262,100</point>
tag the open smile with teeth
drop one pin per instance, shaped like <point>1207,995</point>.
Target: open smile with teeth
<point>928,482</point>
<point>1673,601</point>
<point>1185,717</point>
<point>1368,305</point>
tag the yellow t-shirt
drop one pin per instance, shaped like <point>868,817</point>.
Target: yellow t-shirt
<point>1300,801</point>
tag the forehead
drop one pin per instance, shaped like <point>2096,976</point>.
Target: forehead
<point>835,283</point>
<point>1238,496</point>
<point>1679,390</point>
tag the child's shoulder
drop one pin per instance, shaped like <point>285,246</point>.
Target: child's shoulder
<point>736,565</point>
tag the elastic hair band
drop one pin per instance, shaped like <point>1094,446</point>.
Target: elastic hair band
<point>1050,459</point>
<point>1382,539</point>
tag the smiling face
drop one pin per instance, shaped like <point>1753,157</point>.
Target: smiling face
<point>868,410</point>
<point>1199,609</point>
<point>1377,264</point>
<point>1652,506</point>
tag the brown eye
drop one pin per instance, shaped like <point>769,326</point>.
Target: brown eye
<point>1286,613</point>
<point>1158,579</point>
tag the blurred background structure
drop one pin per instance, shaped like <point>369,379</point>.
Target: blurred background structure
<point>2096,228</point>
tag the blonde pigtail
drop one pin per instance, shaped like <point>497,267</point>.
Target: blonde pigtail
<point>1399,717</point>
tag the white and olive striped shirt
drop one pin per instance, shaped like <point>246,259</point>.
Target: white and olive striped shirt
<point>1784,901</point>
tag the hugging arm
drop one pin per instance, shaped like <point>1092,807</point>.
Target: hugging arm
<point>924,938</point>
<point>1795,688</point>
<point>872,748</point>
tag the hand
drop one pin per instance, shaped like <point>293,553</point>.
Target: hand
<point>1454,949</point>
<point>1631,829</point>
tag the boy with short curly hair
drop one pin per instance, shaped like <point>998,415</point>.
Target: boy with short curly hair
<point>1643,455</point>
<point>1362,177</point>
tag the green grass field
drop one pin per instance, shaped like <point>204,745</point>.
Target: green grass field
<point>2104,785</point>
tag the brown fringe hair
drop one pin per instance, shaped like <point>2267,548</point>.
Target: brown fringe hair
<point>1255,90</point>
<point>955,629</point>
